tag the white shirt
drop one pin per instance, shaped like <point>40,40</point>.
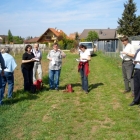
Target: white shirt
<point>128,49</point>
<point>137,65</point>
<point>37,54</point>
<point>85,54</point>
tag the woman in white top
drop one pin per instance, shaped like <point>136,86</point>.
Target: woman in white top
<point>83,66</point>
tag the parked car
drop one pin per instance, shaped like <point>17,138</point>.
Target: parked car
<point>89,46</point>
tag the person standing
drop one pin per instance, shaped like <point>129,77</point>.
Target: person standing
<point>1,74</point>
<point>136,99</point>
<point>27,67</point>
<point>8,76</point>
<point>55,56</point>
<point>37,64</point>
<point>127,65</point>
<point>83,66</point>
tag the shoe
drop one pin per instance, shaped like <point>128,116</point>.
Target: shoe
<point>86,92</point>
<point>57,89</point>
<point>51,89</point>
<point>126,91</point>
<point>132,95</point>
<point>133,103</point>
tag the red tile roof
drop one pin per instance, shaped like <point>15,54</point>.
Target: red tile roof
<point>33,40</point>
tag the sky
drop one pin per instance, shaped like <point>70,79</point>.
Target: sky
<point>33,17</point>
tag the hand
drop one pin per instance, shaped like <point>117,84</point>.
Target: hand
<point>2,73</point>
<point>124,53</point>
<point>59,50</point>
<point>32,60</point>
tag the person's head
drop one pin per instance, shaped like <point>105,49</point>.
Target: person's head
<point>82,47</point>
<point>5,50</point>
<point>36,46</point>
<point>125,40</point>
<point>28,48</point>
<point>55,46</point>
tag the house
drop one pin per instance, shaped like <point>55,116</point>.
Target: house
<point>72,35</point>
<point>108,40</point>
<point>3,39</point>
<point>51,35</point>
<point>30,41</point>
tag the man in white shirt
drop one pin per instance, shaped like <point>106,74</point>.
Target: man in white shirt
<point>37,64</point>
<point>136,99</point>
<point>127,65</point>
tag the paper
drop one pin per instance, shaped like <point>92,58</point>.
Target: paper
<point>36,59</point>
<point>81,60</point>
<point>53,61</point>
<point>137,66</point>
<point>122,55</point>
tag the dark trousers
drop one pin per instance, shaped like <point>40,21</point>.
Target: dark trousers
<point>137,86</point>
<point>127,70</point>
<point>28,78</point>
<point>84,79</point>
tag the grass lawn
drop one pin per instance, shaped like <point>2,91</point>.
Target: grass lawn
<point>103,114</point>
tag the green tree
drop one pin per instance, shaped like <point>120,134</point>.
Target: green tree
<point>92,36</point>
<point>129,24</point>
<point>17,40</point>
<point>10,37</point>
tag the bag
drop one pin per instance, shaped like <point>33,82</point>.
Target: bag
<point>38,84</point>
<point>69,88</point>
<point>33,89</point>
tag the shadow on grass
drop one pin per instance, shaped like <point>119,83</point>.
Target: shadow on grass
<point>92,86</point>
<point>93,55</point>
<point>21,95</point>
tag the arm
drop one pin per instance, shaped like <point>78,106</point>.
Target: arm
<point>88,58</point>
<point>2,64</point>
<point>128,54</point>
<point>135,62</point>
<point>62,53</point>
<point>27,61</point>
<point>48,57</point>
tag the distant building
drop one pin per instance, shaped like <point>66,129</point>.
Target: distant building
<point>30,41</point>
<point>72,35</point>
<point>51,35</point>
<point>108,39</point>
<point>3,39</point>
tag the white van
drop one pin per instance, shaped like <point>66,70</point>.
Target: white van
<point>89,46</point>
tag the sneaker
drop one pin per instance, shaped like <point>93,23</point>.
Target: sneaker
<point>57,89</point>
<point>86,92</point>
<point>51,89</point>
<point>133,103</point>
<point>132,95</point>
<point>126,91</point>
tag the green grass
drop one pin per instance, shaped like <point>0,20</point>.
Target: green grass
<point>103,114</point>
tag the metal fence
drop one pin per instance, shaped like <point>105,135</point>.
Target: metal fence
<point>113,47</point>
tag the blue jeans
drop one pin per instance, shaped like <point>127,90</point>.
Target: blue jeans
<point>8,78</point>
<point>54,78</point>
<point>28,78</point>
<point>84,80</point>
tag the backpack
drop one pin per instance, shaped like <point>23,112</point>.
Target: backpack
<point>69,88</point>
<point>38,84</point>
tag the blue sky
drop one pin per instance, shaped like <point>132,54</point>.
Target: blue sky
<point>33,17</point>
